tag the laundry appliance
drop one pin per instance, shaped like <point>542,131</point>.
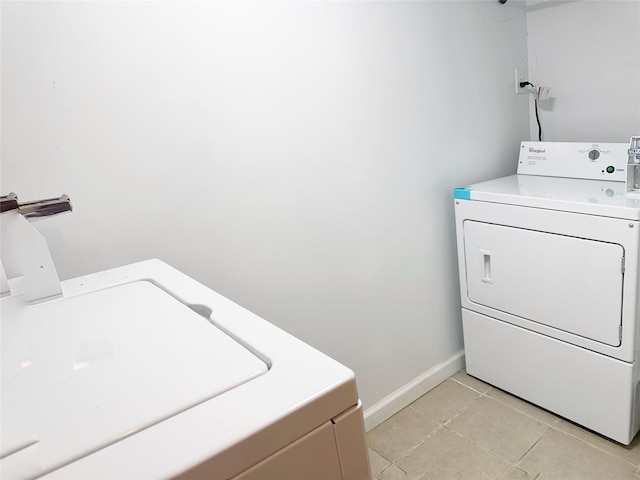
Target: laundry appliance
<point>142,372</point>
<point>548,264</point>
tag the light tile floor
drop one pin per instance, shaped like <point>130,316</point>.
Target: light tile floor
<point>465,429</point>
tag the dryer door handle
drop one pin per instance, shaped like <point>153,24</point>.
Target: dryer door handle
<point>486,266</point>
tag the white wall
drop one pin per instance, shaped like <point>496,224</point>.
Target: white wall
<point>588,52</point>
<point>298,158</point>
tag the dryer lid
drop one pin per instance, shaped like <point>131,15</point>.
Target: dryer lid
<point>83,372</point>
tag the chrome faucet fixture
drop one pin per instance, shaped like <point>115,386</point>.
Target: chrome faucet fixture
<point>37,208</point>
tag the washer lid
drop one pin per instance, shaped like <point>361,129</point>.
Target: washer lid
<point>593,197</point>
<point>81,373</point>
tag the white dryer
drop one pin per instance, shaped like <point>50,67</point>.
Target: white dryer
<point>549,262</point>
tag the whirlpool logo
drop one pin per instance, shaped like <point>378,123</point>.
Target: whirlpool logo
<point>536,150</point>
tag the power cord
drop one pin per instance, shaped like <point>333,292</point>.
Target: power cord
<point>535,101</point>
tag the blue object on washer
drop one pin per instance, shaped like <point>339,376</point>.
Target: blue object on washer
<point>462,193</point>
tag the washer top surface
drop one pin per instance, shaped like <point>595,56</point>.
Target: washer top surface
<point>136,360</point>
<point>591,197</point>
<point>103,366</point>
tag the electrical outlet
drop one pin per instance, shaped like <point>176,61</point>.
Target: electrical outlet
<point>520,77</point>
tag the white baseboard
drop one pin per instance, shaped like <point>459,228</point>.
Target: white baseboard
<point>392,404</point>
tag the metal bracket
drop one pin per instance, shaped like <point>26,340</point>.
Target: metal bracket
<point>26,263</point>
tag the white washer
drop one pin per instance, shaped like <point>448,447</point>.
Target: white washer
<point>548,263</point>
<point>142,372</point>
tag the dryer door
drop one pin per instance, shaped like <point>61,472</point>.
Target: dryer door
<point>572,284</point>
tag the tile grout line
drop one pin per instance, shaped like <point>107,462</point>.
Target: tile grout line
<point>465,408</point>
<point>412,448</point>
<point>394,465</point>
<point>469,386</point>
<point>519,468</point>
<point>420,442</point>
<point>482,447</point>
<point>440,427</point>
<point>381,456</point>
<point>549,427</point>
<point>443,423</point>
<point>596,446</point>
<point>549,424</point>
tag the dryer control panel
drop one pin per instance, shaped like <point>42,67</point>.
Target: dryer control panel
<point>591,161</point>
